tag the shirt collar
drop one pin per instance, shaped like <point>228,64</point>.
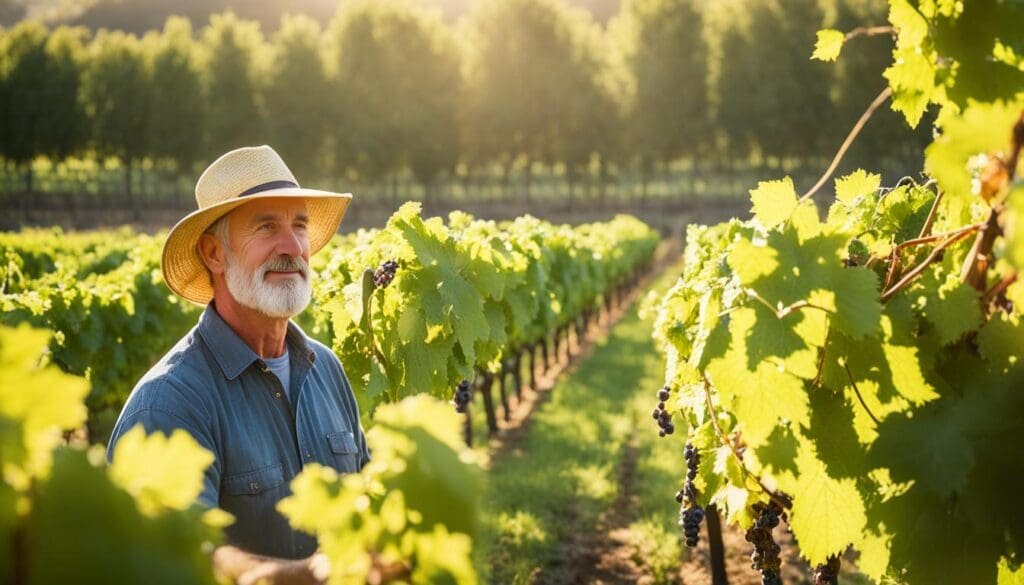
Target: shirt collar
<point>233,355</point>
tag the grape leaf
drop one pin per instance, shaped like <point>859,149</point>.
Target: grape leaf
<point>953,308</point>
<point>829,514</point>
<point>857,184</point>
<point>758,395</point>
<point>830,43</point>
<point>773,201</point>
<point>175,483</point>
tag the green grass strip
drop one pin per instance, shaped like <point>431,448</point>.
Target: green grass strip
<point>548,491</point>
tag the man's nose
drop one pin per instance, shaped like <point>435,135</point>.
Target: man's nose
<point>290,242</point>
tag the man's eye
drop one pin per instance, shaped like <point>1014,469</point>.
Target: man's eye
<point>267,226</point>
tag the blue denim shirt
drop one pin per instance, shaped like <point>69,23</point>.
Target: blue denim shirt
<point>213,385</point>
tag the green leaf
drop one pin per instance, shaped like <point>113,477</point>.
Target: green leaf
<point>955,157</point>
<point>828,514</point>
<point>875,554</point>
<point>1009,575</point>
<point>175,483</point>
<point>830,43</point>
<point>912,27</point>
<point>912,77</point>
<point>41,399</point>
<point>773,201</point>
<point>857,184</point>
<point>804,265</point>
<point>954,309</point>
<point>930,448</point>
<point>760,394</point>
<point>999,341</point>
<point>80,512</point>
<point>751,262</point>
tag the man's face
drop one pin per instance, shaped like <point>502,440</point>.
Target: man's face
<point>267,261</point>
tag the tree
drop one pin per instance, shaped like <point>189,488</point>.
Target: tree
<point>590,116</point>
<point>793,109</point>
<point>232,48</point>
<point>736,87</point>
<point>521,56</point>
<point>23,77</point>
<point>118,97</point>
<point>40,75</point>
<point>297,94</point>
<point>667,57</point>
<point>887,139</point>
<point>176,124</point>
<point>771,95</point>
<point>65,128</point>
<point>399,82</point>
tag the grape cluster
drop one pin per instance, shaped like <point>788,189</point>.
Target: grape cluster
<point>828,573</point>
<point>383,276</point>
<point>664,417</point>
<point>765,557</point>
<point>462,396</point>
<point>690,514</point>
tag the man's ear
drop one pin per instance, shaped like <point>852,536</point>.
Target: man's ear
<point>211,250</point>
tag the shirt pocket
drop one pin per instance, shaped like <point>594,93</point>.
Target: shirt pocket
<point>343,446</point>
<point>255,482</point>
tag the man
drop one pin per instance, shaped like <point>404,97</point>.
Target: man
<point>246,382</point>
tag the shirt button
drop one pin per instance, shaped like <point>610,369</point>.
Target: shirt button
<point>309,455</point>
<point>277,394</point>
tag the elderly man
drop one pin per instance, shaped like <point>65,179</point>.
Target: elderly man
<point>246,382</point>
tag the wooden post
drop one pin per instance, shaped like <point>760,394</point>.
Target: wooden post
<point>492,419</point>
<point>718,575</point>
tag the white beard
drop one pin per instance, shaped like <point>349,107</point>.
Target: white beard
<point>281,300</point>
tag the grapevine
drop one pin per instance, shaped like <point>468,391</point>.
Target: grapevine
<point>854,365</point>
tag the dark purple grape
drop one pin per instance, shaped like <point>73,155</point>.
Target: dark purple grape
<point>384,274</point>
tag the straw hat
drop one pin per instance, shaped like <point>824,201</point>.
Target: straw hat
<point>236,178</point>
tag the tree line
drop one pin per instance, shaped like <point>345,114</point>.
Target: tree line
<point>387,88</point>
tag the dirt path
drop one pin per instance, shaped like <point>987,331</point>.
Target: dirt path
<point>607,555</point>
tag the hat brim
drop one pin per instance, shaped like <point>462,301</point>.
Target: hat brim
<point>185,272</point>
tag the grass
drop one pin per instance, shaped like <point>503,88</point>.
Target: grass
<point>555,483</point>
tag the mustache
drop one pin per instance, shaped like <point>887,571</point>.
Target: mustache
<point>285,264</point>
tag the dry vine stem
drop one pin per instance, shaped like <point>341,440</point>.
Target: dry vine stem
<point>882,97</point>
<point>975,268</point>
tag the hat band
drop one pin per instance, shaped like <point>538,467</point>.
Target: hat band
<point>267,187</point>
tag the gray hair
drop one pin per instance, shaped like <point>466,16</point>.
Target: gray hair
<point>221,230</point>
